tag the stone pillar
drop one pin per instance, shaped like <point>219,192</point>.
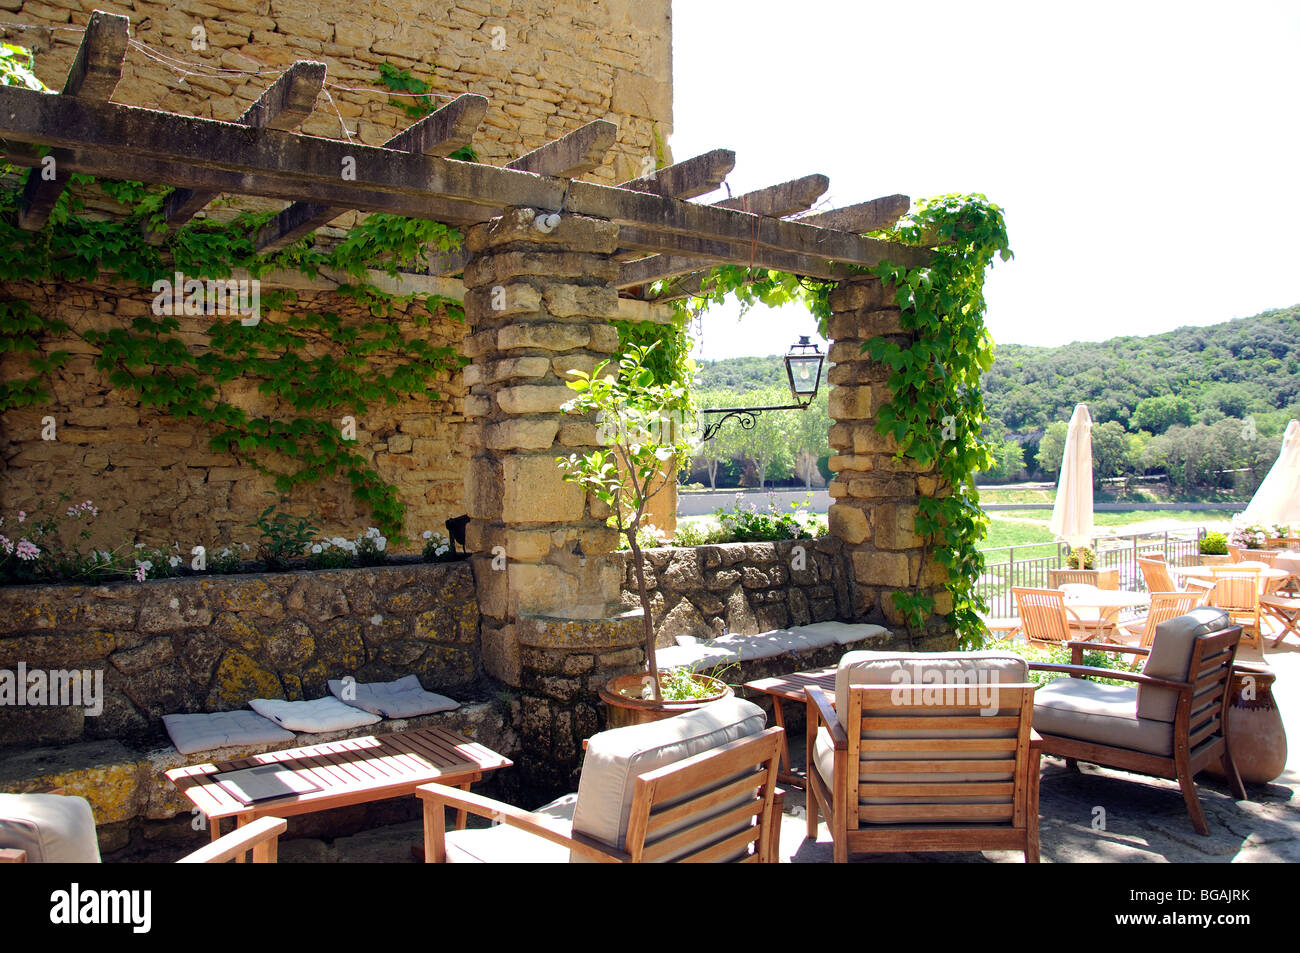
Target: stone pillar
<point>539,298</point>
<point>874,496</point>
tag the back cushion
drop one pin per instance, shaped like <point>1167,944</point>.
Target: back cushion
<point>53,829</point>
<point>1171,654</point>
<point>616,758</point>
<point>900,668</point>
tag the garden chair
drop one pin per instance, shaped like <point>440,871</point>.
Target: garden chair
<point>700,786</point>
<point>1170,724</point>
<point>1164,606</point>
<point>1060,577</point>
<point>54,828</point>
<point>1157,576</point>
<point>1045,618</point>
<point>1236,590</point>
<point>949,763</point>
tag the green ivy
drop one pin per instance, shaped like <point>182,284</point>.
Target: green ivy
<point>401,81</point>
<point>315,364</point>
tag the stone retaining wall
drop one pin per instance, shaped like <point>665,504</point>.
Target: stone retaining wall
<point>211,643</point>
<point>746,588</point>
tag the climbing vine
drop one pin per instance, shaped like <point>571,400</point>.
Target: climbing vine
<point>318,366</point>
<point>936,413</point>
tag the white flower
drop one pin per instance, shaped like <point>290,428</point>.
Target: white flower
<point>316,549</point>
<point>147,564</point>
<point>372,533</point>
<point>174,561</point>
<point>381,543</point>
<point>428,534</point>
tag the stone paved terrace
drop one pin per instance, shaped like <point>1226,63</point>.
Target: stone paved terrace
<point>1146,820</point>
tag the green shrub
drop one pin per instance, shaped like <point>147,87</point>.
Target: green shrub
<point>1060,655</point>
<point>1214,544</point>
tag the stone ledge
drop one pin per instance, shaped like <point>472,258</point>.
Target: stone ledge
<point>548,632</point>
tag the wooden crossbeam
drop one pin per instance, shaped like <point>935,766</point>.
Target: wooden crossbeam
<point>685,180</point>
<point>571,155</point>
<point>285,104</point>
<point>94,75</point>
<point>863,217</point>
<point>776,201</point>
<point>438,134</point>
<point>146,145</point>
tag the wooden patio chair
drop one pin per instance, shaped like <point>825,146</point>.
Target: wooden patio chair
<point>55,828</point>
<point>1164,606</point>
<point>1046,620</point>
<point>1157,575</point>
<point>1237,591</point>
<point>1170,724</point>
<point>695,787</point>
<point>1056,578</point>
<point>928,767</point>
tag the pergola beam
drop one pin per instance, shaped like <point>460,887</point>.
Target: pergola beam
<point>438,134</point>
<point>95,73</point>
<point>775,201</point>
<point>863,217</point>
<point>571,155</point>
<point>285,105</point>
<point>685,180</point>
<point>206,153</point>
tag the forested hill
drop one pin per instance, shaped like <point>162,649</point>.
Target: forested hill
<point>1246,367</point>
<point>1250,366</point>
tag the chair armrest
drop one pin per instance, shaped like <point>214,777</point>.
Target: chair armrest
<point>259,835</point>
<point>438,796</point>
<point>12,855</point>
<point>1081,670</point>
<point>820,708</point>
<point>1035,739</point>
<point>1109,647</point>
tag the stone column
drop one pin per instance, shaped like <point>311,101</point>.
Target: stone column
<point>539,299</point>
<point>875,496</point>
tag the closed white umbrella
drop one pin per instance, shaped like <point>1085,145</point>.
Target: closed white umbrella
<point>1278,498</point>
<point>1072,513</point>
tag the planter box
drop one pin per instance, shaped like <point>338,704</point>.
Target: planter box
<point>1207,560</point>
<point>1101,578</point>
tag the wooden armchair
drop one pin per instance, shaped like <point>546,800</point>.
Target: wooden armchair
<point>1170,724</point>
<point>892,768</point>
<point>52,828</point>
<point>695,787</point>
<point>1155,572</point>
<point>1237,592</point>
<point>1164,606</point>
<point>1046,619</point>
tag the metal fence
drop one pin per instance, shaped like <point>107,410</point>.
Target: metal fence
<point>1027,566</point>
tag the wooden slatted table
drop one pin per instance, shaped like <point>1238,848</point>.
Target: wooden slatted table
<point>791,688</point>
<point>352,771</point>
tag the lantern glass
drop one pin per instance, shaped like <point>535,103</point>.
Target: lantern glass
<point>803,366</point>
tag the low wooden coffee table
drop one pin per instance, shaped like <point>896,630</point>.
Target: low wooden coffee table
<point>791,688</point>
<point>352,771</point>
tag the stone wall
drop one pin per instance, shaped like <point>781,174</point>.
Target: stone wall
<point>211,643</point>
<point>745,588</point>
<point>154,477</point>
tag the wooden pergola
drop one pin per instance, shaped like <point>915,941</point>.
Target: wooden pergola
<point>661,233</point>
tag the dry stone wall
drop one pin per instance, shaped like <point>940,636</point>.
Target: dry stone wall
<point>211,643</point>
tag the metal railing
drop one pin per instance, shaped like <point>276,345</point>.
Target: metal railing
<point>1027,565</point>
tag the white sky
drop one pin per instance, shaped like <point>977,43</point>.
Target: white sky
<point>1145,153</point>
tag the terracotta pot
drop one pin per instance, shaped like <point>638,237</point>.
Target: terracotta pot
<point>1256,735</point>
<point>624,705</point>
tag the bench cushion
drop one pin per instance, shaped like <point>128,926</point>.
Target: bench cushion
<point>1106,714</point>
<point>403,698</point>
<point>615,759</point>
<point>51,828</point>
<point>320,714</point>
<point>222,729</point>
<point>744,648</point>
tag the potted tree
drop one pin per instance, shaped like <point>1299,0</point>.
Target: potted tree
<point>642,433</point>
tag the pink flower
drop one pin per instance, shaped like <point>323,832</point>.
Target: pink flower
<point>140,572</point>
<point>6,545</point>
<point>28,550</point>
<point>21,516</point>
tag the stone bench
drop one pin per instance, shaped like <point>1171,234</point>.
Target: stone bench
<point>778,652</point>
<point>123,785</point>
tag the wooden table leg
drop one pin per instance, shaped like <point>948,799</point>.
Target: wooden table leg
<point>240,821</point>
<point>214,828</point>
<point>461,815</point>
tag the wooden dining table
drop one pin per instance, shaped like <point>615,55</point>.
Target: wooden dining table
<point>1108,604</point>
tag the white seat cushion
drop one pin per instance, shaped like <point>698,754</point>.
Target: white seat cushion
<point>222,729</point>
<point>502,844</point>
<point>699,656</point>
<point>51,828</point>
<point>615,759</point>
<point>321,714</point>
<point>1107,714</point>
<point>403,698</point>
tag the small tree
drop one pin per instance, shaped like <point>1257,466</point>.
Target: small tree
<point>641,429</point>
